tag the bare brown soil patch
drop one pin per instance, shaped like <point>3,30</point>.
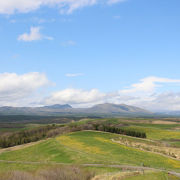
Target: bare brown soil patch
<point>164,122</point>
<point>117,176</point>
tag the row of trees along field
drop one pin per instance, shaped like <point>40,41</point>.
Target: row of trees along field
<point>112,129</point>
<point>36,134</point>
<point>25,136</point>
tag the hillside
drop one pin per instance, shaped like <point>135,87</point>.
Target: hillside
<point>89,147</point>
<point>103,155</point>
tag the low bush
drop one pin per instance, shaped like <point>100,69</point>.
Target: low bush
<point>57,173</point>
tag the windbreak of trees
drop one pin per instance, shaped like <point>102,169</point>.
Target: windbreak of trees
<point>126,132</point>
<point>36,134</point>
<point>25,136</point>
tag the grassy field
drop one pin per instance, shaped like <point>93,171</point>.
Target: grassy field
<point>154,128</point>
<point>167,130</point>
<point>88,147</point>
<point>156,133</point>
<point>96,147</point>
<point>4,128</point>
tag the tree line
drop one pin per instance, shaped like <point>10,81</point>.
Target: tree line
<point>116,130</point>
<point>25,136</point>
<point>36,134</point>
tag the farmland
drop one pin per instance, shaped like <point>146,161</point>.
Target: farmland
<point>100,152</point>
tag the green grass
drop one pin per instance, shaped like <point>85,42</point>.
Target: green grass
<point>90,148</point>
<point>5,167</point>
<point>49,150</point>
<point>155,133</point>
<point>18,127</point>
<point>159,126</point>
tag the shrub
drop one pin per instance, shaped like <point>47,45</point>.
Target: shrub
<point>57,173</point>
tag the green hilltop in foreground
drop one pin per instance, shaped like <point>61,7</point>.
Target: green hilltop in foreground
<point>109,155</point>
<point>89,147</point>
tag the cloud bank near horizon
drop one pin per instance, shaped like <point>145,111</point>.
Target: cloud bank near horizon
<point>23,90</point>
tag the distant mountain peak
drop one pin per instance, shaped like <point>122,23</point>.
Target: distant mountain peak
<point>59,106</point>
<point>117,108</point>
<point>106,109</point>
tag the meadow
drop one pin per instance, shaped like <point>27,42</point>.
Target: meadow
<point>97,151</point>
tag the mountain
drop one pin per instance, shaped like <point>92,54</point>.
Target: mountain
<point>59,106</point>
<point>170,113</point>
<point>106,109</point>
<point>116,108</point>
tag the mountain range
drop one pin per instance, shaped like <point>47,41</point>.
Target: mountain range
<point>106,109</point>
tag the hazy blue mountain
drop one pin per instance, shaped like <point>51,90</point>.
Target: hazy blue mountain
<point>106,109</point>
<point>116,108</point>
<point>58,106</point>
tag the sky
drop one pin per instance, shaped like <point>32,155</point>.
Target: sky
<point>86,52</point>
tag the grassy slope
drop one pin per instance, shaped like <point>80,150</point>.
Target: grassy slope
<point>153,131</point>
<point>89,147</point>
<point>5,167</point>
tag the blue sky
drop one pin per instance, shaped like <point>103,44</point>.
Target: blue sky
<point>86,52</point>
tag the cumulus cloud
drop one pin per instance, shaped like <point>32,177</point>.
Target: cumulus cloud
<point>76,96</point>
<point>15,87</point>
<point>149,84</point>
<point>157,102</point>
<point>65,6</point>
<point>142,94</point>
<point>19,90</point>
<point>24,6</point>
<point>34,35</point>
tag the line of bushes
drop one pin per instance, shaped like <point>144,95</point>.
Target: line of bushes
<point>116,130</point>
<point>36,134</point>
<point>25,136</point>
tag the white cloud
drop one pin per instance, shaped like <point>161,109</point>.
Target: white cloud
<point>24,6</point>
<point>23,90</point>
<point>34,35</point>
<point>73,74</point>
<point>157,102</point>
<point>75,96</point>
<point>65,6</point>
<point>16,87</point>
<point>167,101</point>
<point>142,94</point>
<point>149,84</point>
